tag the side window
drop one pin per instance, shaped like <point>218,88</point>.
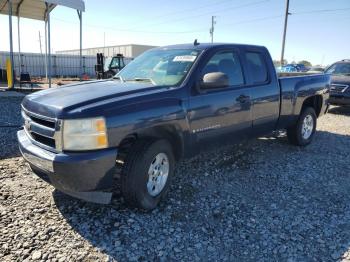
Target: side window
<point>257,67</point>
<point>226,62</point>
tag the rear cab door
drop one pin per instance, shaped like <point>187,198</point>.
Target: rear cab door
<point>264,87</point>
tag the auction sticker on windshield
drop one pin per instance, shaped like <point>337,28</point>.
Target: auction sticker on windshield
<point>184,58</point>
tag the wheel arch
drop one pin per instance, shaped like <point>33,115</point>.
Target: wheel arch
<point>171,133</point>
<point>315,102</point>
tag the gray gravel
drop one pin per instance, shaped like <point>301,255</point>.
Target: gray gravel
<point>262,200</point>
<point>10,121</point>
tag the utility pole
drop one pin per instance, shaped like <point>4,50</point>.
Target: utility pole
<point>323,56</point>
<point>285,31</point>
<point>41,50</point>
<point>213,22</point>
<point>104,43</point>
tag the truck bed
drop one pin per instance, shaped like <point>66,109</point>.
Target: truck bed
<point>292,74</point>
<point>294,87</point>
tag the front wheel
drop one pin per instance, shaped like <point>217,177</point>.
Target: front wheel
<point>303,131</point>
<point>146,174</point>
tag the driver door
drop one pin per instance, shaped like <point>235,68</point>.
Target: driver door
<point>221,112</point>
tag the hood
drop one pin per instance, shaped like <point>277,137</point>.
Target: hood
<point>340,79</point>
<point>51,102</point>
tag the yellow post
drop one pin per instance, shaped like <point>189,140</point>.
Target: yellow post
<point>9,73</point>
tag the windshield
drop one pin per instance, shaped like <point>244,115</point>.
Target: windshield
<point>160,67</point>
<point>339,69</point>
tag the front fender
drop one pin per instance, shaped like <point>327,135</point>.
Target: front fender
<point>147,115</point>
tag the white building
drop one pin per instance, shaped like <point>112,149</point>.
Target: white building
<point>129,51</point>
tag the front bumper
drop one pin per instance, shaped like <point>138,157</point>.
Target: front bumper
<point>85,175</point>
<point>340,99</point>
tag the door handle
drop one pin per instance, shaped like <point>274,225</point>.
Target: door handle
<point>243,99</point>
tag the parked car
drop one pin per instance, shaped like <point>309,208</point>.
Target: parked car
<point>278,69</point>
<point>340,82</point>
<point>290,68</point>
<point>302,68</point>
<point>142,121</point>
<point>316,69</point>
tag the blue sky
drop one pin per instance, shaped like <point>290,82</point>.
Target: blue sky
<point>315,31</point>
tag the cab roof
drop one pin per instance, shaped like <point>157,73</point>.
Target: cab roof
<point>203,46</point>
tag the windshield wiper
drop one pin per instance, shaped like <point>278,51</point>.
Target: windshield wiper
<point>119,77</point>
<point>140,79</point>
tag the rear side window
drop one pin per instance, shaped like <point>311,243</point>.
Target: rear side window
<point>257,67</point>
<point>226,62</point>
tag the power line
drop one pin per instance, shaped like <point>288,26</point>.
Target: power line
<point>254,20</point>
<point>191,9</point>
<point>202,29</point>
<point>299,13</point>
<point>197,7</point>
<point>134,29</point>
<point>246,5</point>
<point>171,21</point>
<point>176,32</point>
<point>208,13</point>
<point>320,11</point>
<point>269,18</point>
<point>128,30</point>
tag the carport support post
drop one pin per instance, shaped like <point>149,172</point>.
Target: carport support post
<point>19,47</point>
<point>80,14</point>
<point>49,43</point>
<point>11,42</point>
<point>46,50</point>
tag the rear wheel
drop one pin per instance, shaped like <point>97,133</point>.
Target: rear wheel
<point>303,131</point>
<point>146,174</point>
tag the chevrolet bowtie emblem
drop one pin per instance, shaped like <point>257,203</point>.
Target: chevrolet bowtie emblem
<point>27,124</point>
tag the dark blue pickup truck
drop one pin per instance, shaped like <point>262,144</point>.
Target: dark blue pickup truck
<point>166,104</point>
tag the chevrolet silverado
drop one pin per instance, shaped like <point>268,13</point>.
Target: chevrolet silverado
<point>169,103</point>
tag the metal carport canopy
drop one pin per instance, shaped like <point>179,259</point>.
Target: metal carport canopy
<point>38,10</point>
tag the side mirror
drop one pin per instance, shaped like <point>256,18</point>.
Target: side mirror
<point>214,80</point>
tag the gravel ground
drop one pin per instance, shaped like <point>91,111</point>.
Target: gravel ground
<point>10,121</point>
<point>262,200</point>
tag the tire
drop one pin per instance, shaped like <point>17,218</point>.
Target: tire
<point>136,187</point>
<point>109,75</point>
<point>297,134</point>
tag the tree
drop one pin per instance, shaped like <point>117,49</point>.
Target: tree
<point>305,63</point>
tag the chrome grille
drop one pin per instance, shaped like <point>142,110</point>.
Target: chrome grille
<point>41,129</point>
<point>338,88</point>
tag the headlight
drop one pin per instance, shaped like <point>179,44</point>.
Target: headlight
<point>84,134</point>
